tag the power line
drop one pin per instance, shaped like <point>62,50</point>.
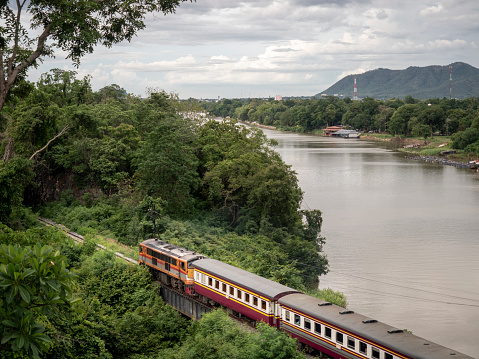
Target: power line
<point>411,288</point>
<point>411,297</point>
<point>401,286</point>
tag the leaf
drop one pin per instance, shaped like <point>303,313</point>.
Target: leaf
<point>24,294</point>
<point>21,341</point>
<point>9,323</point>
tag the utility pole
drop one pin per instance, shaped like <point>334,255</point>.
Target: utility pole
<point>450,82</point>
<point>153,214</point>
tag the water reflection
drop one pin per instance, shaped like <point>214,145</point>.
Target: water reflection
<point>402,236</point>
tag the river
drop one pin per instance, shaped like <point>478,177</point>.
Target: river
<point>402,237</point>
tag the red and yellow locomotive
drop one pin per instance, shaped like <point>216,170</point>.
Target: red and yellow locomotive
<point>169,263</point>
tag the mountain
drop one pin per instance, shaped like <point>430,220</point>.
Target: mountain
<point>419,82</point>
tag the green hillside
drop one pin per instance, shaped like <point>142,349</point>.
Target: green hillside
<point>419,82</point>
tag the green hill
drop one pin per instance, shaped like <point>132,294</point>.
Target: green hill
<point>419,82</point>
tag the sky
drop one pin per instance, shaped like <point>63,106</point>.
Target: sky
<point>262,48</point>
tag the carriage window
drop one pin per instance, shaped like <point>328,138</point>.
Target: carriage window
<point>153,260</point>
<point>232,290</point>
<point>263,305</point>
<point>224,287</point>
<point>255,301</point>
<point>239,294</point>
<point>375,353</point>
<point>286,315</point>
<point>182,264</point>
<point>217,284</point>
<point>327,332</point>
<point>388,356</point>
<point>339,337</point>
<point>363,347</point>
<point>197,276</point>
<point>167,266</point>
<point>307,324</point>
<point>297,319</point>
<point>173,261</point>
<point>141,249</point>
<point>352,343</point>
<point>246,297</point>
<point>317,328</point>
<point>210,281</point>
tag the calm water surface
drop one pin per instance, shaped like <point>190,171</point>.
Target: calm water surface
<point>402,237</point>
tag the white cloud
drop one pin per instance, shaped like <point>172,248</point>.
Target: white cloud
<point>445,44</point>
<point>357,71</point>
<point>300,47</point>
<point>436,9</point>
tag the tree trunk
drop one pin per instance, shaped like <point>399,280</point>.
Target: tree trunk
<point>8,151</point>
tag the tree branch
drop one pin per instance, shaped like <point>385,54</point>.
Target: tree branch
<point>15,44</point>
<point>56,136</point>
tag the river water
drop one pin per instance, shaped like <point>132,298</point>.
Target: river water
<point>402,237</point>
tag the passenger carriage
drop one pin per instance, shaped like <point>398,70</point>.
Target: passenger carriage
<point>331,329</point>
<point>342,333</point>
<point>243,292</point>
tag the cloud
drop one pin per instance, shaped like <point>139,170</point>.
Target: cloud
<point>381,15</point>
<point>436,9</point>
<point>289,46</point>
<point>446,44</point>
<point>357,71</point>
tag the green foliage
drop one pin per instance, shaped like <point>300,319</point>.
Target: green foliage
<point>245,179</point>
<point>398,117</point>
<point>120,316</point>
<point>15,175</point>
<point>465,138</point>
<point>217,336</point>
<point>39,235</point>
<point>273,344</point>
<point>167,165</point>
<point>35,285</point>
<point>329,295</point>
<point>115,283</point>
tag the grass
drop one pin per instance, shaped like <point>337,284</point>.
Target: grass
<point>113,245</point>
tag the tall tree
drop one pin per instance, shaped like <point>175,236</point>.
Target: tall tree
<point>75,27</point>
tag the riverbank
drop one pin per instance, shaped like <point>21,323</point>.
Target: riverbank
<point>439,148</point>
<point>431,150</point>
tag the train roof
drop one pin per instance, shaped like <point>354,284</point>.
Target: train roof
<point>374,331</point>
<point>171,250</point>
<point>242,278</point>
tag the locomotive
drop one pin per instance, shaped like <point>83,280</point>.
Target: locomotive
<point>323,326</point>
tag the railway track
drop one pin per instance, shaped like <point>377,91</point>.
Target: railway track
<point>78,238</point>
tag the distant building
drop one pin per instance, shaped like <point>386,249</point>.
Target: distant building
<point>328,131</point>
<point>278,98</point>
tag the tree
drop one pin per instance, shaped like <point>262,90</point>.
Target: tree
<point>421,130</point>
<point>72,26</point>
<point>167,165</point>
<point>14,177</point>
<point>34,286</point>
<point>245,178</point>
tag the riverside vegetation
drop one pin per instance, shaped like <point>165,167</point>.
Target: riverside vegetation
<point>106,164</point>
<point>454,123</point>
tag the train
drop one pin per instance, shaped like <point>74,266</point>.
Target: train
<point>316,324</point>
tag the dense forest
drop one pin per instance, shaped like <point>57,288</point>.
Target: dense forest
<point>399,117</point>
<point>107,164</point>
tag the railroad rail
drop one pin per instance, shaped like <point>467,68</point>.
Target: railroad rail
<point>78,238</point>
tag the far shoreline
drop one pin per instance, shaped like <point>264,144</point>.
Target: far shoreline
<point>413,147</point>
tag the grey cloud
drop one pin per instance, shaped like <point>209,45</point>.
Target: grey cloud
<point>284,50</point>
<point>382,15</point>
